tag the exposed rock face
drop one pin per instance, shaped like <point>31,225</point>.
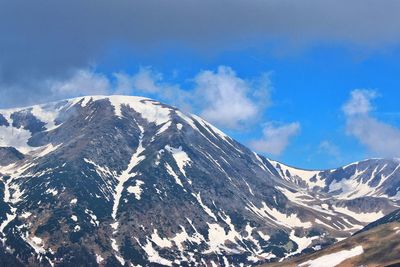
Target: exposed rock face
<point>127,180</point>
<point>9,155</point>
<point>3,121</point>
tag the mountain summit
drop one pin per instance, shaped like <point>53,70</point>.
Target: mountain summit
<point>127,181</point>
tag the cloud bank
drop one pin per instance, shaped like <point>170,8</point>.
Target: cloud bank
<point>220,96</point>
<point>378,137</point>
<point>228,100</point>
<point>48,39</point>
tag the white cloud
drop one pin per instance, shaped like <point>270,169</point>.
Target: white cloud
<point>82,82</point>
<point>360,102</point>
<point>329,148</point>
<point>275,138</point>
<point>221,96</point>
<point>380,138</point>
<point>89,82</point>
<point>123,82</point>
<point>145,80</point>
<point>227,100</point>
<point>149,82</point>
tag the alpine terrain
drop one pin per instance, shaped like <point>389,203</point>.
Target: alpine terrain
<point>377,244</point>
<point>129,181</point>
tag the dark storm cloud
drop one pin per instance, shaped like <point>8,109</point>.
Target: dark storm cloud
<point>47,38</point>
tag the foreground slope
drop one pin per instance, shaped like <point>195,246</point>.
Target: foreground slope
<point>378,244</point>
<point>393,217</point>
<point>126,180</point>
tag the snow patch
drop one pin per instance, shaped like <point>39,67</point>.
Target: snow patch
<point>9,218</point>
<point>126,174</point>
<point>99,258</point>
<point>93,217</point>
<point>46,150</point>
<point>150,110</point>
<point>153,256</point>
<point>51,191</point>
<point>161,242</point>
<point>205,208</point>
<point>302,242</point>
<point>263,236</point>
<point>290,221</point>
<point>332,260</point>
<point>26,215</point>
<point>365,217</point>
<point>47,114</point>
<point>217,237</point>
<point>214,130</point>
<point>173,174</point>
<point>288,172</point>
<point>136,189</point>
<point>180,156</point>
<point>164,128</point>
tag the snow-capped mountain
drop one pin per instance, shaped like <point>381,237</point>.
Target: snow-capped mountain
<point>122,181</point>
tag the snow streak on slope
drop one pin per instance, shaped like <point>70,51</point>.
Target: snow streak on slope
<point>180,156</point>
<point>288,220</point>
<point>122,179</point>
<point>127,174</point>
<point>360,216</point>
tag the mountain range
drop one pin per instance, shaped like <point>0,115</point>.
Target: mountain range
<point>130,181</point>
<point>377,244</point>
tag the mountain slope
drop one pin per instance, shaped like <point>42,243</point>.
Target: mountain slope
<point>390,218</point>
<point>126,180</point>
<point>379,246</point>
<point>372,177</point>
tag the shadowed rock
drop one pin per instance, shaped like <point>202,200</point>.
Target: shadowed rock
<point>9,155</point>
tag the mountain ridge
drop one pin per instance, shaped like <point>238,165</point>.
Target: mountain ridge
<point>129,180</point>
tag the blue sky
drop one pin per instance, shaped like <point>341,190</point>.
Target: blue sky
<point>309,87</point>
<point>275,75</point>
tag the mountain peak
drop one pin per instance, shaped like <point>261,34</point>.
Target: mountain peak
<point>128,180</point>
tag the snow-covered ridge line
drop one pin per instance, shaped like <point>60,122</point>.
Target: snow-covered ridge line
<point>358,179</point>
<point>74,100</point>
<point>310,177</point>
<point>309,171</point>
